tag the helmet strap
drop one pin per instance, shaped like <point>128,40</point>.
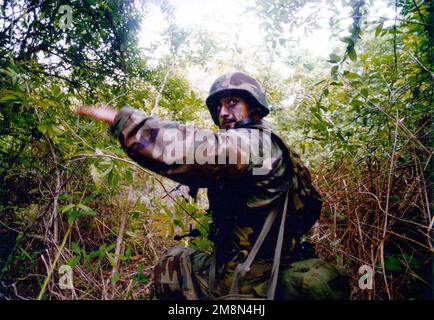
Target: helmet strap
<point>250,119</point>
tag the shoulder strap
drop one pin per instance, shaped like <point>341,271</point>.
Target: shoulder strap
<point>242,268</point>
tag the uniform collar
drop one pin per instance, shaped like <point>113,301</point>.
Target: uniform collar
<point>249,123</point>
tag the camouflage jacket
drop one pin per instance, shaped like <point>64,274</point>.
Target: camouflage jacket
<point>239,201</point>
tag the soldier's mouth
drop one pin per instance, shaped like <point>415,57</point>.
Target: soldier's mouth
<point>228,124</point>
<point>229,121</point>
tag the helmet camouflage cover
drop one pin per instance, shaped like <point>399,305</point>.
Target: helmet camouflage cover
<point>237,83</point>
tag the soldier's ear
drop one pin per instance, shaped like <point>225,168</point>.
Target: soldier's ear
<point>256,114</point>
<point>256,118</point>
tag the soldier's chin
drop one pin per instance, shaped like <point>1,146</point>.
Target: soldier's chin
<point>229,125</point>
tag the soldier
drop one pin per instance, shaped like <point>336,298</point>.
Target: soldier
<point>258,219</point>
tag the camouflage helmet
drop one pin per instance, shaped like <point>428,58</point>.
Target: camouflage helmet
<point>237,83</point>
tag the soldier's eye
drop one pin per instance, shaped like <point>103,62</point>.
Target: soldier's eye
<point>233,102</point>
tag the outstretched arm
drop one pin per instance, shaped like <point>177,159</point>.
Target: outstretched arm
<point>150,142</point>
<point>103,113</point>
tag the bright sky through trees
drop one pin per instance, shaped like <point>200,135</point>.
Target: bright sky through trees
<point>231,21</point>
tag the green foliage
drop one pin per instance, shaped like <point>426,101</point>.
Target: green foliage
<point>340,111</point>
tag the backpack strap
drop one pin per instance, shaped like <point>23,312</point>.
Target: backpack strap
<point>242,268</point>
<point>211,279</point>
<point>277,253</point>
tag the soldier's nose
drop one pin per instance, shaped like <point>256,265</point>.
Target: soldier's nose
<point>224,113</point>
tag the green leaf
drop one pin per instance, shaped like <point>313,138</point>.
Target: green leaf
<point>75,248</point>
<point>67,208</point>
<point>142,278</point>
<point>378,29</point>
<point>393,264</point>
<point>334,58</point>
<point>347,40</point>
<point>135,214</point>
<point>43,127</point>
<point>356,103</point>
<point>83,207</point>
<point>26,254</point>
<point>350,75</point>
<point>352,54</point>
<point>111,259</point>
<point>115,278</point>
<point>73,261</point>
<point>76,214</point>
<point>334,70</point>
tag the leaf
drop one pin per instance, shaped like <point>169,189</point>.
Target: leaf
<point>115,278</point>
<point>35,190</point>
<point>142,278</point>
<point>356,103</point>
<point>67,208</point>
<point>96,176</point>
<point>334,58</point>
<point>135,214</point>
<point>7,95</point>
<point>73,261</point>
<point>131,234</point>
<point>128,253</point>
<point>76,214</point>
<point>350,75</point>
<point>111,259</point>
<point>352,54</point>
<point>26,254</point>
<point>43,127</point>
<point>393,264</point>
<point>140,268</point>
<point>334,70</point>
<point>75,248</point>
<point>378,29</point>
<point>84,208</point>
<point>347,40</point>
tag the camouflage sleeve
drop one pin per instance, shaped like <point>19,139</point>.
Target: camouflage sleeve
<point>182,153</point>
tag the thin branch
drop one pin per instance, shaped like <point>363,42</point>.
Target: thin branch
<point>83,156</point>
<point>160,90</point>
<point>420,64</point>
<point>56,258</point>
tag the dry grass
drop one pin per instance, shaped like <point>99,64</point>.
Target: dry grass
<point>377,216</point>
<point>373,216</point>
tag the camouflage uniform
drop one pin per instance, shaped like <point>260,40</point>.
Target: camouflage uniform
<point>239,201</point>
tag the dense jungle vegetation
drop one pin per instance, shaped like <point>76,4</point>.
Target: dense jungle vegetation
<point>361,119</point>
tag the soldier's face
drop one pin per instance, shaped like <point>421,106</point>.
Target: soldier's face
<point>231,109</point>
